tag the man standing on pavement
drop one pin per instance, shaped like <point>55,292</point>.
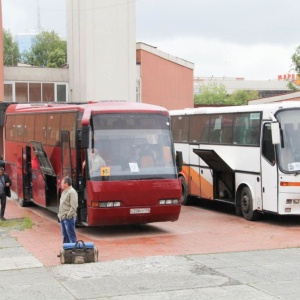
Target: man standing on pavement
<point>2,162</point>
<point>68,211</point>
<point>5,184</point>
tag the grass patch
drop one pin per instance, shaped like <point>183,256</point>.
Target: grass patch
<point>19,224</point>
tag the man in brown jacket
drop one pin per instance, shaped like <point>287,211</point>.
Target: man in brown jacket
<point>67,212</point>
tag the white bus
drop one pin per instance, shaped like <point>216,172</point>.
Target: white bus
<point>248,156</point>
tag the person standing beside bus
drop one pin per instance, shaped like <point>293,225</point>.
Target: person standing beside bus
<point>2,162</point>
<point>67,212</point>
<point>5,184</point>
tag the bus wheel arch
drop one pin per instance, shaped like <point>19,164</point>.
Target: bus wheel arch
<point>244,204</point>
<point>184,190</point>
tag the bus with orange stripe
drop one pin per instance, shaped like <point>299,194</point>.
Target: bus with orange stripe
<point>248,156</point>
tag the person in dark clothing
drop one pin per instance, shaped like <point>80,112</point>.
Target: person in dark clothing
<point>2,162</point>
<point>5,184</point>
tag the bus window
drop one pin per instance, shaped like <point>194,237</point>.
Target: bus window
<point>239,128</point>
<point>19,127</point>
<point>40,131</point>
<point>68,122</point>
<point>53,129</point>
<point>215,129</point>
<point>246,129</point>
<point>10,128</point>
<point>180,128</point>
<point>205,130</point>
<point>226,132</point>
<point>267,146</point>
<point>28,128</point>
<point>198,129</point>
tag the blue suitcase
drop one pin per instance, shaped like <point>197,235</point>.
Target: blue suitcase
<point>78,253</point>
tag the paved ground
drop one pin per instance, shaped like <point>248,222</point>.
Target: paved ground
<point>161,261</point>
<point>265,274</point>
<point>198,231</point>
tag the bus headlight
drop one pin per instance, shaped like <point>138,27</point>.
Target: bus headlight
<point>168,201</point>
<point>106,204</point>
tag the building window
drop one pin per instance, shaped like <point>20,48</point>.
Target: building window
<point>8,92</point>
<point>21,92</point>
<point>61,93</point>
<point>35,92</point>
<point>48,92</point>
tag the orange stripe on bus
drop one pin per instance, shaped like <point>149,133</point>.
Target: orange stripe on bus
<point>285,183</point>
<point>206,189</point>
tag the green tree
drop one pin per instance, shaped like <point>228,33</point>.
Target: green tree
<point>49,50</point>
<point>241,97</point>
<point>216,94</point>
<point>295,67</point>
<point>211,93</point>
<point>296,60</point>
<point>11,55</point>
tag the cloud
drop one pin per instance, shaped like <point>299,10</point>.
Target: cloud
<point>235,21</point>
<point>21,16</point>
<point>251,39</point>
<point>213,57</point>
<point>254,39</point>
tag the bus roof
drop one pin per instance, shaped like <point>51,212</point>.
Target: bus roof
<point>266,109</point>
<point>94,107</point>
<point>89,108</point>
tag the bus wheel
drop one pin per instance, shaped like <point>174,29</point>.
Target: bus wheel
<point>184,189</point>
<point>247,205</point>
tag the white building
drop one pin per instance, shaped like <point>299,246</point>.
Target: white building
<point>101,50</point>
<point>265,88</point>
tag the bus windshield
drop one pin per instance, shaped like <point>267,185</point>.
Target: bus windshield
<point>288,152</point>
<point>131,146</point>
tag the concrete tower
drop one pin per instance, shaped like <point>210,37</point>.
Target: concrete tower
<point>101,50</point>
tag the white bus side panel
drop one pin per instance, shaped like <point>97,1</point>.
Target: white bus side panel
<point>269,180</point>
<point>289,200</point>
<point>245,162</point>
<point>246,159</point>
<point>201,177</point>
<point>254,184</point>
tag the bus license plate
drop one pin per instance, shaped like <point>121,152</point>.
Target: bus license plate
<point>139,211</point>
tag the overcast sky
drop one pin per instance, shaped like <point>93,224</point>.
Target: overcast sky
<point>254,39</point>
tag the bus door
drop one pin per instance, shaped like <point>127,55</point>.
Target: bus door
<point>223,176</point>
<point>66,162</point>
<point>49,177</point>
<point>269,172</point>
<point>27,174</point>
<point>194,179</point>
<point>19,185</point>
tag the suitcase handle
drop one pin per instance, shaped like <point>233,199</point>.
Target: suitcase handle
<point>77,245</point>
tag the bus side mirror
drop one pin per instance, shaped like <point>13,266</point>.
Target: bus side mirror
<point>85,137</point>
<point>275,132</point>
<point>179,160</point>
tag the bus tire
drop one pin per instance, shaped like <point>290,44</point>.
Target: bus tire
<point>184,189</point>
<point>247,205</point>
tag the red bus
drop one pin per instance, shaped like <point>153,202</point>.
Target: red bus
<point>139,181</point>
